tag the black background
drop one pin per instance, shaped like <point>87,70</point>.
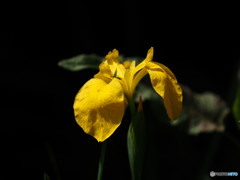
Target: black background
<point>199,42</point>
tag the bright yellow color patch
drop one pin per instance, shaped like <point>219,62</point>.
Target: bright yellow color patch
<point>99,105</point>
<point>165,84</point>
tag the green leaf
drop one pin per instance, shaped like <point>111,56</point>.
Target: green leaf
<point>46,177</point>
<point>136,145</point>
<point>81,62</point>
<point>89,61</point>
<point>236,107</point>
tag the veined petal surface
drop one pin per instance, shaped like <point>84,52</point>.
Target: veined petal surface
<point>99,107</point>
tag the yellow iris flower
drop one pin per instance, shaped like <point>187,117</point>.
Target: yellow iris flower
<point>100,104</point>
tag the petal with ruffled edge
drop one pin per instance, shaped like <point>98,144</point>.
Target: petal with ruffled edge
<point>99,107</point>
<point>104,72</point>
<point>113,59</point>
<point>166,85</point>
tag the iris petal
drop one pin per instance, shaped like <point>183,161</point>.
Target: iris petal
<point>104,72</point>
<point>138,77</point>
<point>113,56</point>
<point>99,107</point>
<point>166,85</point>
<point>146,60</point>
<point>112,59</point>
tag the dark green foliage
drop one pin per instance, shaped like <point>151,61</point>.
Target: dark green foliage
<point>136,145</point>
<point>81,62</point>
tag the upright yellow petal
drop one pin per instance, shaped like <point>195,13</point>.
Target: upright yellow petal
<point>138,78</point>
<point>128,79</point>
<point>99,107</point>
<point>149,55</point>
<point>146,60</point>
<point>166,85</point>
<point>113,56</point>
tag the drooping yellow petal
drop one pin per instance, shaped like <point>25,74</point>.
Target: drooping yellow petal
<point>99,107</point>
<point>166,85</point>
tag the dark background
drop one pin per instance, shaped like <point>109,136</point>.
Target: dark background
<point>199,42</point>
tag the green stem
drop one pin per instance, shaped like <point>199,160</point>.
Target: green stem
<point>101,160</point>
<point>132,108</point>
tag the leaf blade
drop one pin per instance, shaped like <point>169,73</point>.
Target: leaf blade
<point>81,62</point>
<point>136,145</point>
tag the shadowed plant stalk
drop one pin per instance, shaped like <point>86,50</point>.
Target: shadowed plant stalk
<point>136,140</point>
<point>101,160</point>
